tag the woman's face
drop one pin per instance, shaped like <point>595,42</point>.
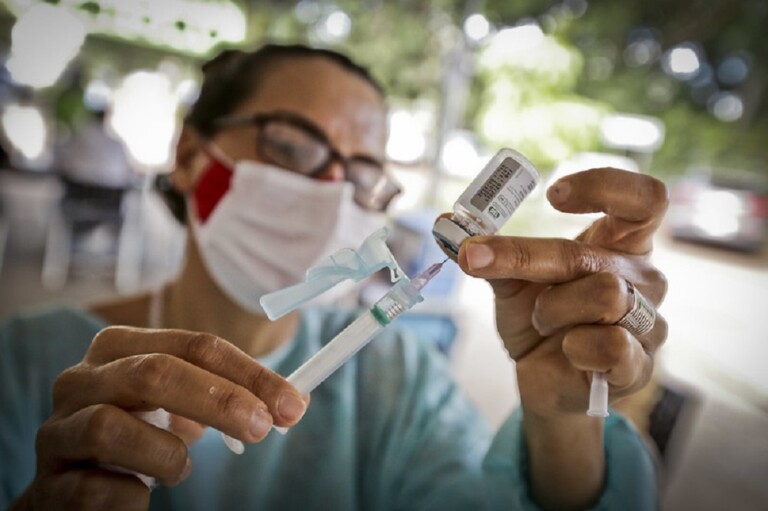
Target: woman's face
<point>345,107</point>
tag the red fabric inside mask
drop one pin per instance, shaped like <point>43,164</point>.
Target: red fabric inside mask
<point>211,187</point>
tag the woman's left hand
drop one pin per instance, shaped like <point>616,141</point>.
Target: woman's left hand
<point>558,300</point>
<point>557,305</point>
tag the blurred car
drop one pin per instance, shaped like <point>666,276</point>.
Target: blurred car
<point>725,209</point>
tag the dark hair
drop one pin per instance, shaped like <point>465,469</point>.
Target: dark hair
<point>232,77</point>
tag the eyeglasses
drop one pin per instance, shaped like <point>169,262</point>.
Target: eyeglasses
<point>296,144</point>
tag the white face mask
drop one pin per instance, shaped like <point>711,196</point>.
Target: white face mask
<point>272,225</point>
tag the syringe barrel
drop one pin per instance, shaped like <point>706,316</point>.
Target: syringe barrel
<point>346,344</point>
<point>343,347</point>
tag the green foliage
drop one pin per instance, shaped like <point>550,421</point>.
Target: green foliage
<point>400,43</point>
<point>527,99</point>
<point>696,139</point>
<point>402,53</point>
<point>693,135</point>
<point>548,103</point>
<point>607,81</point>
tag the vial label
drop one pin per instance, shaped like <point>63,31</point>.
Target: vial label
<point>503,192</point>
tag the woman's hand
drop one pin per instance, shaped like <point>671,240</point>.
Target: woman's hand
<point>194,376</point>
<point>557,302</point>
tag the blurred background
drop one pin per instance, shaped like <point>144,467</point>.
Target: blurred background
<point>92,94</point>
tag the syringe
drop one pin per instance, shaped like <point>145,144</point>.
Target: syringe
<point>403,295</point>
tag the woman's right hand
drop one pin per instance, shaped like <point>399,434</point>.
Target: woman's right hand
<point>194,376</point>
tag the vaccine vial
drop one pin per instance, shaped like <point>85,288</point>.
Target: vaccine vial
<point>489,201</point>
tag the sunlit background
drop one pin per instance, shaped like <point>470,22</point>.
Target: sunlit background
<point>673,89</point>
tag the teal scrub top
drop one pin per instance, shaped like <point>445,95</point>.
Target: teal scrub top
<point>389,430</point>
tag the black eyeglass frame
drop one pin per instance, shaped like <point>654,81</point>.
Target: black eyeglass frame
<point>261,119</point>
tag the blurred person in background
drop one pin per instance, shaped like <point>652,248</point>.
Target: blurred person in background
<point>280,162</point>
<point>96,174</point>
<point>93,156</point>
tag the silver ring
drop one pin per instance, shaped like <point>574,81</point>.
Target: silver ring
<point>641,317</point>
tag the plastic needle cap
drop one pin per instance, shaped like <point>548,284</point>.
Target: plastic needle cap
<point>345,264</point>
<point>598,395</point>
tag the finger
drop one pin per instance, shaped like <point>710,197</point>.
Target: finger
<point>93,489</point>
<point>544,260</point>
<point>158,380</point>
<point>107,435</point>
<point>510,287</point>
<point>627,196</point>
<point>612,350</point>
<point>209,352</point>
<point>189,431</point>
<point>634,204</point>
<point>601,298</point>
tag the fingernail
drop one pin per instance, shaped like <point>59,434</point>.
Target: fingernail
<point>479,256</point>
<point>558,193</point>
<point>186,471</point>
<point>290,407</point>
<point>261,421</point>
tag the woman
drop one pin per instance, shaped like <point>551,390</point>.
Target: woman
<point>280,163</point>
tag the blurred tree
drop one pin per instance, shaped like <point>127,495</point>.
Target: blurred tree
<point>715,116</point>
<point>598,56</point>
<point>527,99</point>
<point>402,42</point>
